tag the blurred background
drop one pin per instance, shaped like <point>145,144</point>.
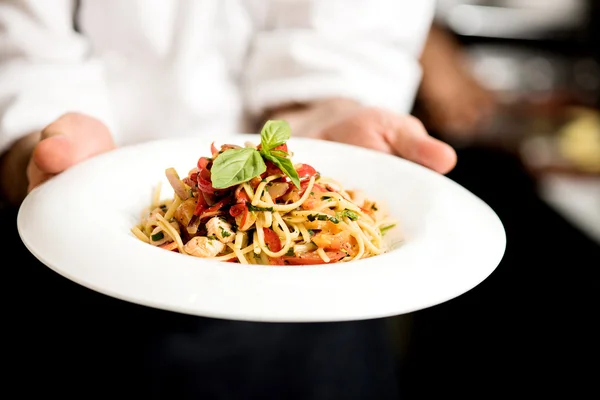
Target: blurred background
<point>541,61</point>
<point>514,86</point>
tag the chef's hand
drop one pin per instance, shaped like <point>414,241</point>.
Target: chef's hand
<point>67,141</point>
<point>348,122</point>
<point>40,155</point>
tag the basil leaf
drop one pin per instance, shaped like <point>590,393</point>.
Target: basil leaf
<point>235,166</point>
<point>274,133</point>
<point>279,153</point>
<point>286,166</point>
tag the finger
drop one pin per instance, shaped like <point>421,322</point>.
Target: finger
<point>357,133</point>
<point>54,154</point>
<point>70,139</point>
<point>410,140</point>
<point>35,176</point>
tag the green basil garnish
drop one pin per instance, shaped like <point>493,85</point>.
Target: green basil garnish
<point>224,233</point>
<point>236,166</point>
<point>274,133</point>
<point>254,208</point>
<point>350,214</point>
<point>286,166</point>
<point>157,236</point>
<point>384,229</point>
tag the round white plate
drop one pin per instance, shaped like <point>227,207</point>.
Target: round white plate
<point>79,222</point>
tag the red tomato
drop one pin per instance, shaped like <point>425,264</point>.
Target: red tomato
<point>203,163</point>
<point>241,196</point>
<point>272,169</point>
<point>213,149</point>
<point>239,210</point>
<point>218,205</point>
<point>274,244</point>
<point>272,240</point>
<point>306,171</point>
<point>313,258</point>
<point>204,182</point>
<point>282,147</point>
<point>201,205</point>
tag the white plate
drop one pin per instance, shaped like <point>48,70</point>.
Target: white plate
<point>79,222</point>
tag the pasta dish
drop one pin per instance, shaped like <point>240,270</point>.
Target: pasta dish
<point>249,204</point>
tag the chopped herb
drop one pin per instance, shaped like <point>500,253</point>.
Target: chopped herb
<point>157,236</point>
<point>212,237</point>
<point>311,232</point>
<point>384,229</point>
<point>312,193</point>
<point>373,207</point>
<point>350,214</point>
<point>322,217</point>
<point>224,233</point>
<point>290,252</point>
<point>254,208</point>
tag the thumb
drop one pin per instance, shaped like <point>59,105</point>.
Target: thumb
<point>410,140</point>
<point>69,140</point>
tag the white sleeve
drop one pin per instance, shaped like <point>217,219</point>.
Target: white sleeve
<point>45,68</point>
<point>367,50</point>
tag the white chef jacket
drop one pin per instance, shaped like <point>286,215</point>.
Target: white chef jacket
<point>160,68</point>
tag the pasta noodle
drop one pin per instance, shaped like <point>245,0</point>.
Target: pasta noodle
<point>280,216</point>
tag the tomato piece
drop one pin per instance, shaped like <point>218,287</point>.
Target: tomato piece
<point>330,241</point>
<point>204,182</point>
<point>203,163</point>
<point>254,182</point>
<point>281,147</point>
<point>306,171</point>
<point>238,209</point>
<point>218,205</point>
<point>241,196</point>
<point>272,169</point>
<point>213,149</point>
<point>314,197</point>
<point>276,261</point>
<point>201,205</point>
<point>272,240</point>
<point>313,258</point>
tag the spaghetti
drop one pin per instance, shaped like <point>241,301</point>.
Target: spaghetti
<point>237,207</point>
